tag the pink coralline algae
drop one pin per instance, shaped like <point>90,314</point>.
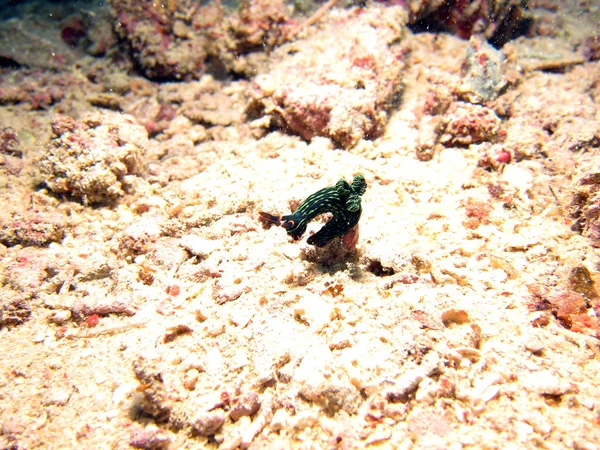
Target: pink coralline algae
<point>173,40</point>
<point>92,158</point>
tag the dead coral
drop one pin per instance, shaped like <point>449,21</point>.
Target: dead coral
<point>9,142</point>
<point>162,41</point>
<point>585,207</point>
<point>339,249</point>
<point>38,90</point>
<point>212,109</point>
<point>28,271</point>
<point>477,213</point>
<point>240,40</point>
<point>139,237</point>
<point>572,310</point>
<point>207,423</point>
<point>91,159</point>
<point>496,20</point>
<point>339,82</point>
<point>14,309</point>
<point>155,399</point>
<point>89,306</point>
<point>483,78</point>
<point>468,124</point>
<point>150,438</point>
<point>246,404</point>
<point>32,229</point>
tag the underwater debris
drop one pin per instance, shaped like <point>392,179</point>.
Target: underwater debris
<point>341,200</point>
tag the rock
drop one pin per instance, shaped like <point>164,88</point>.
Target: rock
<point>91,159</point>
<point>483,80</point>
<point>544,382</point>
<point>57,396</point>
<point>244,405</point>
<point>207,423</point>
<point>338,82</point>
<point>199,246</point>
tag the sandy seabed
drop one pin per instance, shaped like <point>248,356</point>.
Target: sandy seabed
<point>144,304</point>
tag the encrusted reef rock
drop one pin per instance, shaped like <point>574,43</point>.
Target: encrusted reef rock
<point>483,77</point>
<point>242,40</point>
<point>161,38</point>
<point>339,82</point>
<point>173,39</point>
<point>585,207</point>
<point>496,20</point>
<point>90,159</point>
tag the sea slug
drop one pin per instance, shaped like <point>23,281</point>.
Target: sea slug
<point>341,200</point>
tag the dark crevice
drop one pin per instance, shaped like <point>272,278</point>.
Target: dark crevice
<point>377,269</point>
<point>9,63</point>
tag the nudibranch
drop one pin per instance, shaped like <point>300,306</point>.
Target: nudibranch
<point>341,200</point>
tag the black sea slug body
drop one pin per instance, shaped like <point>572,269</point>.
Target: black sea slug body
<point>341,200</point>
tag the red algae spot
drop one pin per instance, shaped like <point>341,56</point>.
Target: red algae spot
<point>92,321</point>
<point>173,290</point>
<point>477,213</point>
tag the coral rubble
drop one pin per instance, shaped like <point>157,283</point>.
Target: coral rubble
<point>90,159</point>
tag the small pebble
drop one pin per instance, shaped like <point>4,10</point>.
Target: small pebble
<point>60,317</point>
<point>545,383</point>
<point>245,405</point>
<point>304,419</point>
<point>58,397</point>
<point>279,420</point>
<point>207,423</point>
